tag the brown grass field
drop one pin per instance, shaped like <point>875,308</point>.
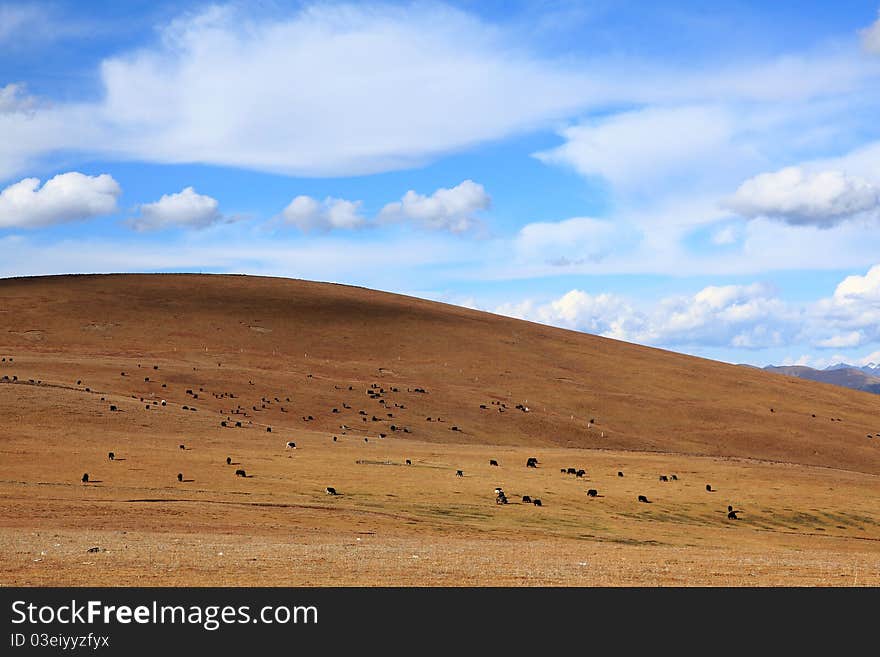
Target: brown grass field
<point>807,483</point>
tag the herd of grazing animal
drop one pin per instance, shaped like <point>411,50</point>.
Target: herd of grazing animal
<point>377,393</point>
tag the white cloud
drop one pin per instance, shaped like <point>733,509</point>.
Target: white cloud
<point>571,242</point>
<point>633,149</point>
<point>798,197</point>
<point>744,316</point>
<point>330,91</point>
<point>841,341</point>
<point>871,37</point>
<point>725,235</point>
<point>67,197</point>
<point>454,210</point>
<point>335,89</point>
<point>187,209</point>
<point>604,314</point>
<point>307,214</point>
<point>852,310</point>
<point>13,98</point>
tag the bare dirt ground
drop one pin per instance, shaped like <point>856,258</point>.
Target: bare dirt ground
<point>807,484</point>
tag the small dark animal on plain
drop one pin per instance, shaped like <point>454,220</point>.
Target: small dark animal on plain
<point>709,488</point>
<point>673,477</point>
<point>644,499</point>
<point>85,478</point>
<point>493,462</point>
<point>459,473</point>
<point>228,460</point>
<point>240,473</point>
<point>179,476</point>
<point>331,491</point>
<point>536,502</point>
<point>526,499</point>
<point>731,514</point>
<point>580,473</point>
<point>592,492</point>
<point>408,462</point>
<point>113,407</point>
<point>111,456</point>
<point>268,429</point>
<point>619,474</point>
<point>182,446</point>
<point>664,478</point>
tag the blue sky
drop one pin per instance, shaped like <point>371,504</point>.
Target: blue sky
<point>699,178</point>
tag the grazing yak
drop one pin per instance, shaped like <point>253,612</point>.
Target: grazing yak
<point>644,499</point>
<point>526,499</point>
<point>459,473</point>
<point>290,445</point>
<point>709,488</point>
<point>536,502</point>
<point>493,462</point>
<point>532,462</point>
<point>331,491</point>
<point>664,478</point>
<point>228,460</point>
<point>111,456</point>
<point>592,493</point>
<point>731,514</point>
<point>85,478</point>
<point>619,474</point>
<point>408,462</point>
<point>240,473</point>
<point>580,473</point>
<point>179,476</point>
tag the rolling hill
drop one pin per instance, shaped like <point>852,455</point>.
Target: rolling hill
<point>188,378</point>
<point>305,337</point>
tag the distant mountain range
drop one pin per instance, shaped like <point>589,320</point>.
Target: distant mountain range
<point>866,378</point>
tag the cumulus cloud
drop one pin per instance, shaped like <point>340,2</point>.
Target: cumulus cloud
<point>454,210</point>
<point>744,316</point>
<point>852,313</point>
<point>185,209</point>
<point>309,214</point>
<point>871,37</point>
<point>603,314</point>
<point>798,197</point>
<point>66,197</point>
